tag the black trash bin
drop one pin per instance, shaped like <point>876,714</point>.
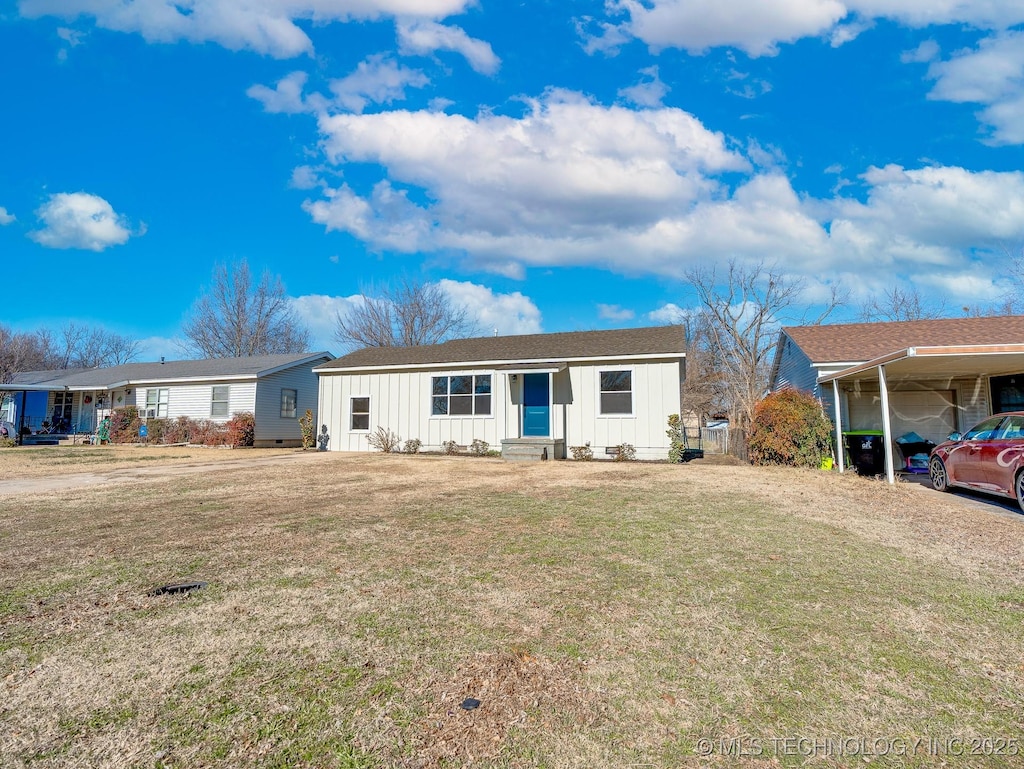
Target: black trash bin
<point>866,451</point>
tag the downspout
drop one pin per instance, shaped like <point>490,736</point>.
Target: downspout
<point>840,449</point>
<point>890,473</point>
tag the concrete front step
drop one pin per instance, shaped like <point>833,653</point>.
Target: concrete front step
<point>532,449</point>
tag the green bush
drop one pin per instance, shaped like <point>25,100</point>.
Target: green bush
<point>676,438</point>
<point>789,428</point>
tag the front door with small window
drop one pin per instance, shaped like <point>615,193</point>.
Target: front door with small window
<point>536,405</point>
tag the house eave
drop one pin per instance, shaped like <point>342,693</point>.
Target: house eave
<point>499,363</point>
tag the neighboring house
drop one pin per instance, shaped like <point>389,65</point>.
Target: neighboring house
<point>531,395</point>
<point>277,389</point>
<point>930,377</point>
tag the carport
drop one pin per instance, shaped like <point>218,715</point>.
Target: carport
<point>919,364</point>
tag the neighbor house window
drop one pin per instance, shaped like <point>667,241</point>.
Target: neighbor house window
<point>156,401</point>
<point>360,419</point>
<point>616,392</point>
<point>219,401</point>
<point>461,395</point>
<point>288,401</point>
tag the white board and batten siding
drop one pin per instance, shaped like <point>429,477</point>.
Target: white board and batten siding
<point>656,395</point>
<point>400,401</point>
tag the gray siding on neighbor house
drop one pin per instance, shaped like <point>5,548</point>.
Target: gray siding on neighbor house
<point>271,427</point>
<point>794,369</point>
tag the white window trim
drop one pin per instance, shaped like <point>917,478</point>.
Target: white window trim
<point>449,374</point>
<point>632,392</point>
<point>226,402</point>
<point>369,421</point>
<point>166,403</point>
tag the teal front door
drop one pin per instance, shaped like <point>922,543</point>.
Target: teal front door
<point>536,405</point>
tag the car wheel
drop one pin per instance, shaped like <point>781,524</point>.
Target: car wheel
<point>1018,488</point>
<point>937,471</point>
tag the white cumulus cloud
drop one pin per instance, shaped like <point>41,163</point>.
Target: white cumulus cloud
<point>760,26</point>
<point>319,313</point>
<point>377,80</point>
<point>614,312</point>
<point>509,314</point>
<point>991,75</point>
<point>79,220</point>
<point>567,170</point>
<point>424,37</point>
<point>5,217</point>
<point>284,97</point>
<point>264,26</point>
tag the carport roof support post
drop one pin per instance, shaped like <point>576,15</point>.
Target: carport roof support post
<point>890,473</point>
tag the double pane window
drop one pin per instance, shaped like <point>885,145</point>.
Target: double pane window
<point>460,395</point>
<point>616,392</point>
<point>360,414</point>
<point>156,401</point>
<point>219,401</point>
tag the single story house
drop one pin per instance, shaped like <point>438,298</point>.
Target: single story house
<point>277,389</point>
<point>532,395</point>
<point>930,377</point>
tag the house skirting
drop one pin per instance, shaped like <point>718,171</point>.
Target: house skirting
<point>532,449</point>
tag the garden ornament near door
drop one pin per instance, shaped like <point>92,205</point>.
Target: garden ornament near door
<point>103,433</point>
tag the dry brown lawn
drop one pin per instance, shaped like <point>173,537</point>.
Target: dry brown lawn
<point>603,614</point>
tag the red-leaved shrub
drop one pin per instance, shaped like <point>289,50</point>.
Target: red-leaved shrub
<point>241,429</point>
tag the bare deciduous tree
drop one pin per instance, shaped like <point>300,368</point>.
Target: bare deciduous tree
<point>236,317</point>
<point>744,309</point>
<point>407,313</point>
<point>85,347</point>
<point>898,304</point>
<point>703,389</point>
<point>20,352</point>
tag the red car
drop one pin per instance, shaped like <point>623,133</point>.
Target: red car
<point>989,457</point>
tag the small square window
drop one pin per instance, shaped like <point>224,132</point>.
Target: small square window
<point>360,414</point>
<point>289,400</point>
<point>616,392</point>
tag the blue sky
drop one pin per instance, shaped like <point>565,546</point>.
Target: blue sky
<point>553,165</point>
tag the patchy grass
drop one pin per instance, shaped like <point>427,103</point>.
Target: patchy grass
<point>39,461</point>
<point>603,615</point>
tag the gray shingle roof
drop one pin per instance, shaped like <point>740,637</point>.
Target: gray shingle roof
<point>172,370</point>
<point>858,342</point>
<point>617,343</point>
